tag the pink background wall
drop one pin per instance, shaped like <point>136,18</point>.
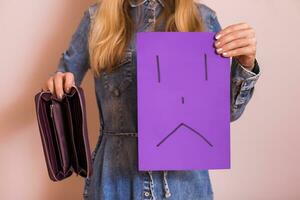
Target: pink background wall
<point>265,140</point>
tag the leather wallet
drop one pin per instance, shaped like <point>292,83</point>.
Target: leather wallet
<point>63,130</point>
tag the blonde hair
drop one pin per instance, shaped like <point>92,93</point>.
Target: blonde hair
<point>112,29</point>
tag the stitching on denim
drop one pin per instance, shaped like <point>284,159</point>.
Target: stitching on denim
<point>166,185</point>
<point>151,185</point>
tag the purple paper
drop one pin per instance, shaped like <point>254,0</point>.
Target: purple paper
<point>183,89</point>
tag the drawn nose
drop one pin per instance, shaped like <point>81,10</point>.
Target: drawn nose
<point>182,100</point>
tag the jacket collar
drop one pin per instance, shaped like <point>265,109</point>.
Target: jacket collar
<point>138,4</point>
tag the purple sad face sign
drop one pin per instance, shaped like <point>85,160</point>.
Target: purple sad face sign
<point>183,90</point>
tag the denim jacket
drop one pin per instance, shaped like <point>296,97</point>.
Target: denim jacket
<point>116,92</point>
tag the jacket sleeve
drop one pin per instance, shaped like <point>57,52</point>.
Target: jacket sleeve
<point>75,58</point>
<point>242,80</point>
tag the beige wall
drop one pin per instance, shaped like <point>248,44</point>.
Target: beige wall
<point>265,141</point>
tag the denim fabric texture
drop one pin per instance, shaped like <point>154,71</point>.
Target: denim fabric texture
<point>116,176</point>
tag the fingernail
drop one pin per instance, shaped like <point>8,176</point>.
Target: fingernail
<point>217,43</point>
<point>68,89</point>
<point>219,50</point>
<point>224,54</point>
<point>218,36</point>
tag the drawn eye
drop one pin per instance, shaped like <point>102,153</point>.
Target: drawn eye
<point>158,68</point>
<point>205,65</point>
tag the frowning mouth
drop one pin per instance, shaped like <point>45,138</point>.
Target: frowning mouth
<point>193,131</point>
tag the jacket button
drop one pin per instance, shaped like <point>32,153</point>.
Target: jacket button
<point>147,194</point>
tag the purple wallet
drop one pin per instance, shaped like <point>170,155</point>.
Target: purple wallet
<point>63,130</point>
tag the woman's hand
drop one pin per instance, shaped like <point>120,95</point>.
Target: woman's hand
<point>60,83</point>
<point>238,41</point>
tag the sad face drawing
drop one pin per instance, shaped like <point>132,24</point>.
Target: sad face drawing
<point>182,101</point>
<point>183,91</point>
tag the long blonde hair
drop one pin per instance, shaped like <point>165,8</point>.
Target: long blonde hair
<point>113,27</point>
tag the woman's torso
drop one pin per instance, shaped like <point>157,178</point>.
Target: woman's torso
<point>115,156</point>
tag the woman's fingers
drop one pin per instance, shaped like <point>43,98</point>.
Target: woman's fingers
<point>232,28</point>
<point>58,84</point>
<point>236,44</point>
<point>240,51</point>
<point>49,85</point>
<point>69,81</point>
<point>233,36</point>
<point>238,41</point>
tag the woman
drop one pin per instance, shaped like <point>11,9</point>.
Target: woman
<point>105,43</point>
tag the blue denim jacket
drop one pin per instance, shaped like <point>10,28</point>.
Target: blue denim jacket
<point>116,95</point>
